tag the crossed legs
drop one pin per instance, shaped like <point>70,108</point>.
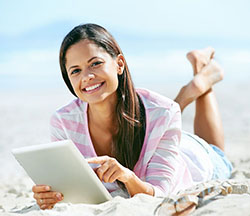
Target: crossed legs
<point>207,121</point>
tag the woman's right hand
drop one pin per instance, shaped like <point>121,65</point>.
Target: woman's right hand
<point>45,198</point>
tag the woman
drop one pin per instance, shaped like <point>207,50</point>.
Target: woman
<point>135,135</point>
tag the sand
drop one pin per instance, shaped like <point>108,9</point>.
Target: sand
<point>25,119</point>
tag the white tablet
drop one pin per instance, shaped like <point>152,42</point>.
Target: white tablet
<point>62,166</point>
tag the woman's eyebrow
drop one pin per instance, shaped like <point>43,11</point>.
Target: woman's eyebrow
<point>92,58</point>
<point>74,66</point>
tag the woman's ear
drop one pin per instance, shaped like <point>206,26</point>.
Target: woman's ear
<point>120,63</point>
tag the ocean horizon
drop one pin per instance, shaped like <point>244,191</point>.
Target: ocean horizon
<point>39,69</point>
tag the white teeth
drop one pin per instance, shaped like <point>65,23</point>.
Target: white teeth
<point>93,87</point>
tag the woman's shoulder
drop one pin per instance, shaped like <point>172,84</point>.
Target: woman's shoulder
<point>153,99</point>
<point>76,106</point>
<point>69,122</point>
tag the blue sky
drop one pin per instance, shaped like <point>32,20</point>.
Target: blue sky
<point>154,35</point>
<point>185,17</point>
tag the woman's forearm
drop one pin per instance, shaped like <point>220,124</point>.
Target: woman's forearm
<point>111,170</point>
<point>135,185</point>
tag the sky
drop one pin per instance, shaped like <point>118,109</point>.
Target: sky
<point>154,36</point>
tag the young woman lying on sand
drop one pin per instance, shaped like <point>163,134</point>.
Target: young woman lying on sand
<point>135,134</point>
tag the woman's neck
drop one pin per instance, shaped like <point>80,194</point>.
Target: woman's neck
<point>102,125</point>
<point>103,116</point>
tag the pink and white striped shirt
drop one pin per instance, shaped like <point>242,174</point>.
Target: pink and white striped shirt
<point>161,162</point>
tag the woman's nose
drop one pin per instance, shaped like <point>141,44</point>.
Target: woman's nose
<point>87,76</point>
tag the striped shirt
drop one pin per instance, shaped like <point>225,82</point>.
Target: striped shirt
<point>164,162</point>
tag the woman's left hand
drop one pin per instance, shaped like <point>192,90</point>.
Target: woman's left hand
<point>110,169</point>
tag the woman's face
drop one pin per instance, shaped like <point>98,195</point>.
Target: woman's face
<point>93,73</point>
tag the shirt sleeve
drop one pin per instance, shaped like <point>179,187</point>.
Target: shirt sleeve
<point>162,167</point>
<point>57,131</point>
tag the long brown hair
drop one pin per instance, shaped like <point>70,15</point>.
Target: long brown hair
<point>130,113</point>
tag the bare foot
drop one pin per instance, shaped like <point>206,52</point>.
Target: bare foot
<point>207,77</point>
<point>200,58</point>
<point>200,84</point>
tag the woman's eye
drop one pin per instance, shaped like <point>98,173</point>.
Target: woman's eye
<point>96,63</point>
<point>75,71</point>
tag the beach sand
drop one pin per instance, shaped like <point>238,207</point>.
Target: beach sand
<point>25,119</point>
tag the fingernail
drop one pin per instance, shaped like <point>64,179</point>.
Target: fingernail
<point>59,196</point>
<point>47,188</point>
<point>43,206</point>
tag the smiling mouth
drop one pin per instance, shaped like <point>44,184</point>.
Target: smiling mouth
<point>93,87</point>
